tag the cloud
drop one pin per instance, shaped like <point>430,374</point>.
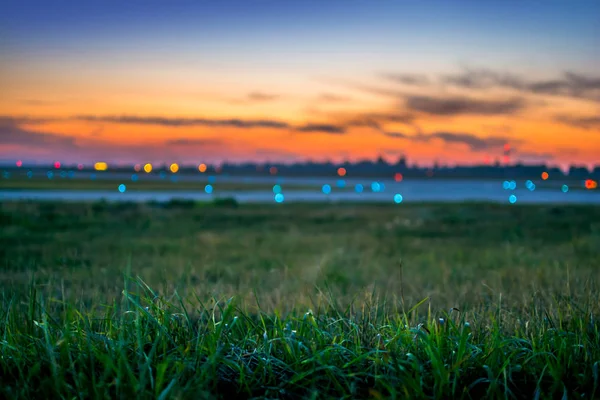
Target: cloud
<point>570,84</point>
<point>185,122</point>
<point>580,122</point>
<point>396,135</point>
<point>474,142</point>
<point>334,98</point>
<point>408,79</point>
<point>260,96</point>
<point>322,128</point>
<point>209,142</point>
<point>459,105</point>
<point>12,134</point>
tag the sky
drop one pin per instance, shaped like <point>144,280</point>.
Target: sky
<point>452,82</point>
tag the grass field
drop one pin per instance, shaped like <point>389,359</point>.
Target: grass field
<point>189,301</point>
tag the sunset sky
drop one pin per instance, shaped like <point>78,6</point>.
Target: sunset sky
<point>208,81</point>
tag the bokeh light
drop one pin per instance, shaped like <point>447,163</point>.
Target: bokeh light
<point>341,171</point>
<point>93,177</point>
<point>57,164</point>
<point>276,189</point>
<point>398,177</point>
<point>101,166</point>
<point>531,187</point>
<point>63,174</point>
<point>591,184</point>
<point>202,168</point>
<point>80,166</point>
<point>341,183</point>
<point>565,188</point>
<point>326,189</point>
<point>148,168</point>
<point>506,185</point>
<point>273,170</point>
<point>375,186</point>
<point>174,168</point>
<point>358,188</point>
<point>279,198</point>
<point>122,188</point>
<point>137,167</point>
<point>398,198</point>
<point>29,174</point>
<point>545,175</point>
<point>19,164</point>
<point>134,177</point>
<point>208,189</point>
<point>211,179</point>
<point>512,199</point>
<point>71,174</point>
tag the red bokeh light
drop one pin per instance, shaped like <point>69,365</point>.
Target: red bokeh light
<point>398,177</point>
<point>57,164</point>
<point>507,147</point>
<point>273,170</point>
<point>80,166</point>
<point>591,184</point>
<point>341,171</point>
<point>19,163</point>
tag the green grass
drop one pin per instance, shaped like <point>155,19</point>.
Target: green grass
<point>184,300</point>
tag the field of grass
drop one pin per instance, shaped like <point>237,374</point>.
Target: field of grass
<point>189,301</point>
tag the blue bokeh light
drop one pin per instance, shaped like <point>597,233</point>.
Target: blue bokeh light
<point>208,189</point>
<point>93,177</point>
<point>63,174</point>
<point>122,188</point>
<point>531,187</point>
<point>359,188</point>
<point>341,183</point>
<point>565,188</point>
<point>134,178</point>
<point>29,174</point>
<point>211,179</point>
<point>6,174</point>
<point>398,198</point>
<point>506,185</point>
<point>162,174</point>
<point>375,187</point>
<point>276,189</point>
<point>279,198</point>
<point>512,185</point>
<point>173,178</point>
<point>529,184</point>
<point>71,174</point>
<point>326,189</point>
<point>512,199</point>
<point>50,174</point>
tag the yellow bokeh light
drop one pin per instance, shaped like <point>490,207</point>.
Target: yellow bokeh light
<point>174,168</point>
<point>100,166</point>
<point>202,168</point>
<point>148,168</point>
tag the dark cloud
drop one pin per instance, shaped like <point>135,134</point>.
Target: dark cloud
<point>260,96</point>
<point>12,134</point>
<point>185,122</point>
<point>474,142</point>
<point>333,98</point>
<point>396,134</point>
<point>463,105</point>
<point>408,79</point>
<point>570,84</point>
<point>580,122</point>
<point>194,142</point>
<point>322,128</point>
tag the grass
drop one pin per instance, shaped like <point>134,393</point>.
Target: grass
<point>186,300</point>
